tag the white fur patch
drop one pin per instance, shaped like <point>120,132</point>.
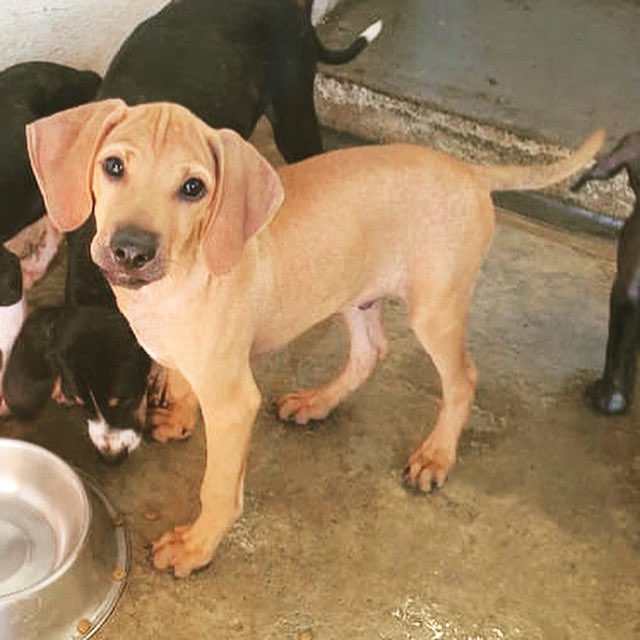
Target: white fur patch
<point>372,31</point>
<point>109,441</point>
<point>11,321</point>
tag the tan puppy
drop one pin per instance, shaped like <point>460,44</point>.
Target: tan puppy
<point>210,266</point>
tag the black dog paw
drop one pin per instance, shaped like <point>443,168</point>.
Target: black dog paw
<point>604,399</point>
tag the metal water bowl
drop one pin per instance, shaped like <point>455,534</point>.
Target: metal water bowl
<point>64,553</point>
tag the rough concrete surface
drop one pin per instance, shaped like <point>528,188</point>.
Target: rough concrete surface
<point>552,69</point>
<point>536,534</point>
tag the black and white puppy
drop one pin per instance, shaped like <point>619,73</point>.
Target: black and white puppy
<point>28,91</point>
<point>230,63</point>
<point>613,392</point>
<point>83,353</point>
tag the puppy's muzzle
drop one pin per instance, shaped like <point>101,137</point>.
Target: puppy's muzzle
<point>113,445</point>
<point>132,257</point>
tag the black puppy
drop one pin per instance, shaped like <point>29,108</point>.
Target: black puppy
<point>28,91</point>
<point>613,393</point>
<point>229,63</point>
<point>83,355</point>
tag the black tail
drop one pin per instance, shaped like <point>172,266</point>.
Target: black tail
<point>342,56</point>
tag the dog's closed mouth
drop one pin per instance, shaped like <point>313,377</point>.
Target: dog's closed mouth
<point>120,276</point>
<point>128,280</point>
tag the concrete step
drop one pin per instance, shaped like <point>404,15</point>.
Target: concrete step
<point>473,79</point>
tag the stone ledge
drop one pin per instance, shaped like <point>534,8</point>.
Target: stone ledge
<point>375,116</point>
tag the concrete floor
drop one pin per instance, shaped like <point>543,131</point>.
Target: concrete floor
<point>553,70</point>
<point>536,535</point>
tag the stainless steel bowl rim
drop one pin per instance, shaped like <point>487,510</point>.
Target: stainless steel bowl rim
<point>71,559</point>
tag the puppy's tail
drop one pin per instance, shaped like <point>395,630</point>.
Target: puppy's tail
<point>342,56</point>
<point>501,178</point>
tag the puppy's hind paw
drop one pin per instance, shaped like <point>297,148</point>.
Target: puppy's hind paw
<point>303,406</point>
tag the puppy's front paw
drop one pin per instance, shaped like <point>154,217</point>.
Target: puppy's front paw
<point>429,466</point>
<point>605,399</point>
<point>59,397</point>
<point>185,549</point>
<point>302,406</point>
<point>169,423</point>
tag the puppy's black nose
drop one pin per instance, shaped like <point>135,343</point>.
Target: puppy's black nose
<point>132,247</point>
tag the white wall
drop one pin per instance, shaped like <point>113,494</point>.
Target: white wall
<point>320,8</point>
<point>80,33</point>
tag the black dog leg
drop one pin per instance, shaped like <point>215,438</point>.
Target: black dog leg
<point>297,132</point>
<point>293,114</point>
<point>613,393</point>
<point>290,81</point>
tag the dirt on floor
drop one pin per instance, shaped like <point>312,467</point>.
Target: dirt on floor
<point>536,534</point>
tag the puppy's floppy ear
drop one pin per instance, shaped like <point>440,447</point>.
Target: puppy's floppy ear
<point>248,193</point>
<point>62,148</point>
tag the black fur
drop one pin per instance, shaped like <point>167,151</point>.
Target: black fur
<point>613,392</point>
<point>28,91</point>
<point>229,63</point>
<point>93,354</point>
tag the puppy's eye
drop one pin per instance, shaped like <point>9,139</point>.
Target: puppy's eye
<point>113,167</point>
<point>193,189</point>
